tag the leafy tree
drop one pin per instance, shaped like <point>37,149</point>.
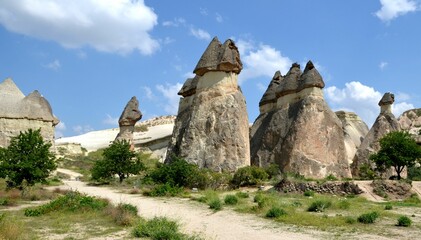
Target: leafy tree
<point>26,160</point>
<point>397,150</point>
<point>117,159</point>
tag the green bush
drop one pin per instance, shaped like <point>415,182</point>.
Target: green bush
<point>330,177</point>
<point>72,201</point>
<point>230,199</point>
<point>388,207</point>
<point>272,170</point>
<point>404,221</point>
<point>159,228</point>
<point>344,204</point>
<point>123,214</point>
<point>163,190</point>
<point>118,160</point>
<point>368,218</point>
<point>309,193</point>
<point>177,173</point>
<point>319,206</point>
<point>242,194</point>
<point>275,212</point>
<point>367,172</point>
<point>249,176</point>
<point>215,204</point>
<point>350,220</point>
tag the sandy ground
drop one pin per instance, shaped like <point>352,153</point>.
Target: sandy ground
<point>198,219</point>
<point>368,191</point>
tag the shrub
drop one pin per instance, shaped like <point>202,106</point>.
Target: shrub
<point>27,160</point>
<point>72,201</point>
<point>404,221</point>
<point>319,206</point>
<point>272,170</point>
<point>367,172</point>
<point>123,214</point>
<point>215,204</point>
<point>230,199</point>
<point>275,212</point>
<point>242,194</point>
<point>158,228</point>
<point>344,204</point>
<point>309,193</point>
<point>388,207</point>
<point>119,160</point>
<point>350,220</point>
<point>249,176</point>
<point>177,173</point>
<point>413,199</point>
<point>368,218</point>
<point>330,177</point>
<point>163,190</point>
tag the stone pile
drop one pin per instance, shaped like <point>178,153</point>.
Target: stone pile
<point>211,128</point>
<point>338,188</point>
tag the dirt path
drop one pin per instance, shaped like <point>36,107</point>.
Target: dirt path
<point>197,218</point>
<point>416,187</point>
<point>368,191</point>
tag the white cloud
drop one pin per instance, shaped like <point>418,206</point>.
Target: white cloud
<point>200,34</point>
<point>112,121</point>
<point>243,46</point>
<point>59,129</point>
<point>264,61</point>
<point>148,93</point>
<point>383,65</point>
<point>79,129</point>
<point>394,8</point>
<point>188,75</point>
<point>110,26</point>
<point>219,18</point>
<point>204,11</point>
<point>361,99</point>
<point>175,23</point>
<point>170,94</point>
<point>54,65</point>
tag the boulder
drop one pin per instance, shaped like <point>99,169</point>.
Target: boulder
<point>354,130</point>
<point>128,118</point>
<point>301,134</point>
<point>385,123</point>
<point>19,113</point>
<point>211,128</point>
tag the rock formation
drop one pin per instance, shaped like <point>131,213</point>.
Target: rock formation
<point>211,128</point>
<point>385,123</point>
<point>411,122</point>
<point>127,120</point>
<point>300,134</point>
<point>19,113</point>
<point>354,130</point>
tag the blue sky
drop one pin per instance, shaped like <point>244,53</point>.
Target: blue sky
<point>89,57</point>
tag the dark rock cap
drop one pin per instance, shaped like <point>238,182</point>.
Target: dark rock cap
<point>387,99</point>
<point>296,81</point>
<point>189,87</point>
<point>219,57</point>
<point>131,113</point>
<point>270,95</point>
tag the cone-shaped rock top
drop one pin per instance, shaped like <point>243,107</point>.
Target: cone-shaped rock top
<point>131,113</point>
<point>270,94</point>
<point>219,57</point>
<point>387,99</point>
<point>189,87</point>
<point>295,80</point>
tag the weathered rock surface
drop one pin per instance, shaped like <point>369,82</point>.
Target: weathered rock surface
<point>411,122</point>
<point>211,128</point>
<point>19,113</point>
<point>354,129</point>
<point>130,115</point>
<point>338,188</point>
<point>301,134</point>
<point>385,123</point>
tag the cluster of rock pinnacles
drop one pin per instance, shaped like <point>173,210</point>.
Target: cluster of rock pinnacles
<point>296,129</point>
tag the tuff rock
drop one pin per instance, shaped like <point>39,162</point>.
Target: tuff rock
<point>354,130</point>
<point>385,123</point>
<point>211,128</point>
<point>411,121</point>
<point>128,118</point>
<point>301,133</point>
<point>19,113</point>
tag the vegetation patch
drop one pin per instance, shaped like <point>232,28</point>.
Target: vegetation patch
<point>230,199</point>
<point>275,212</point>
<point>159,228</point>
<point>368,218</point>
<point>404,221</point>
<point>319,206</point>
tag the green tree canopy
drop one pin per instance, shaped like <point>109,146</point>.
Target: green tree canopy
<point>117,159</point>
<point>397,149</point>
<point>27,159</point>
